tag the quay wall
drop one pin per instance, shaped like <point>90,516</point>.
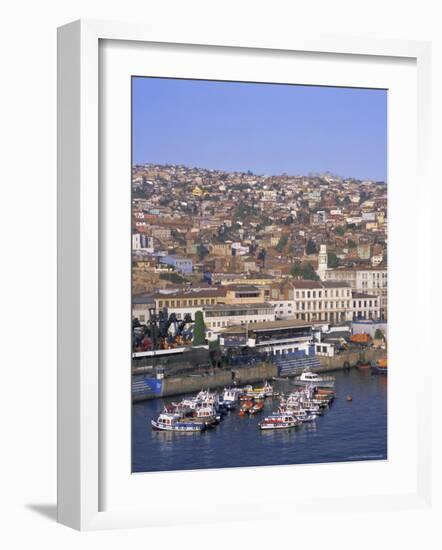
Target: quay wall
<point>352,357</point>
<point>176,385</point>
<point>219,379</point>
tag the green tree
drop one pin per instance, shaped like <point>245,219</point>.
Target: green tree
<point>304,271</point>
<point>282,243</point>
<point>202,251</point>
<point>262,255</point>
<point>309,273</point>
<point>173,278</point>
<point>332,259</point>
<point>297,269</point>
<point>311,247</point>
<point>199,330</point>
<point>379,335</point>
<point>351,244</point>
<point>340,230</point>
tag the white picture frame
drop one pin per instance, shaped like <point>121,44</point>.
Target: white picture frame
<point>80,263</point>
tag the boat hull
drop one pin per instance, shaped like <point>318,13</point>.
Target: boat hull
<point>279,426</point>
<point>183,427</point>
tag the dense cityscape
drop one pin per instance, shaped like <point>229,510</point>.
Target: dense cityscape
<point>311,248</point>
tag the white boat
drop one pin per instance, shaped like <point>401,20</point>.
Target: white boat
<point>313,379</point>
<point>230,397</point>
<point>279,421</point>
<point>171,422</point>
<point>208,415</point>
<point>304,416</point>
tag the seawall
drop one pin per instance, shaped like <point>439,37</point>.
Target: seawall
<point>192,383</point>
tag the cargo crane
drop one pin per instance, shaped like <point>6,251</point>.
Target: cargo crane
<point>155,334</point>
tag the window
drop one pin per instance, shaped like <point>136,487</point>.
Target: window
<point>142,318</point>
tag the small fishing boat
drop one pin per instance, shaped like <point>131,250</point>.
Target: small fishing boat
<point>246,407</point>
<point>171,422</point>
<point>257,407</point>
<point>230,398</point>
<point>380,367</point>
<point>279,421</point>
<point>303,416</point>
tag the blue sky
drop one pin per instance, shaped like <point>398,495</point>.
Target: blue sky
<point>266,128</point>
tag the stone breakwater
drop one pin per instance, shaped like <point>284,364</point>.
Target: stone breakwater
<point>191,383</point>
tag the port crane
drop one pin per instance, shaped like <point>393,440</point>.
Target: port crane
<point>156,333</point>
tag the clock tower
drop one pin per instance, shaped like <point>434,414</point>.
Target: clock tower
<point>322,261</point>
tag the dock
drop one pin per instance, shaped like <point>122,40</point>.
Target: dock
<point>146,386</point>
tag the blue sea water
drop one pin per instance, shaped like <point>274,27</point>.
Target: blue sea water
<point>348,431</point>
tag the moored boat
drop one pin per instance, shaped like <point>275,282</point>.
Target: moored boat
<point>313,380</point>
<point>171,422</point>
<point>380,367</point>
<point>279,421</point>
<point>246,406</point>
<point>230,398</point>
<point>258,406</point>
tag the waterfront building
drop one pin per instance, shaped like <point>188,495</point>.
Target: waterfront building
<point>365,306</point>
<point>367,280</point>
<point>187,300</point>
<point>220,316</point>
<point>282,337</point>
<point>244,294</point>
<point>314,301</point>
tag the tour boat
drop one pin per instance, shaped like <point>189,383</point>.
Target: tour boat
<point>279,422</point>
<point>171,422</point>
<point>266,391</point>
<point>313,379</point>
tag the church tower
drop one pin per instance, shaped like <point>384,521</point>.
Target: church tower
<point>322,261</point>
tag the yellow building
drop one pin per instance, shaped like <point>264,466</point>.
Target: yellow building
<point>244,294</point>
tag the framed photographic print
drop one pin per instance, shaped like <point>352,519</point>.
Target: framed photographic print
<point>231,271</point>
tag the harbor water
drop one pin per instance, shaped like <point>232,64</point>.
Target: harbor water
<point>348,431</point>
